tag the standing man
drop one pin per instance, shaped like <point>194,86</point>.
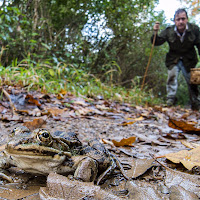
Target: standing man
<point>182,38</point>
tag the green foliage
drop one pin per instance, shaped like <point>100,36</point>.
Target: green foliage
<point>54,79</point>
<point>108,40</point>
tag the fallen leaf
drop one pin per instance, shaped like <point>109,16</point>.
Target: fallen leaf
<point>55,111</point>
<point>150,140</point>
<point>173,136</point>
<point>124,142</point>
<point>8,117</point>
<point>190,145</point>
<point>80,102</point>
<point>178,192</point>
<point>188,182</point>
<point>31,100</point>
<point>189,158</point>
<point>108,142</point>
<point>9,193</point>
<point>61,187</point>
<point>183,125</point>
<point>144,191</point>
<point>84,111</point>
<point>36,123</point>
<point>140,166</point>
<point>61,94</point>
<point>102,107</point>
<point>34,112</point>
<point>132,122</point>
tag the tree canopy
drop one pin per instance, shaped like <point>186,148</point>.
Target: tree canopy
<point>109,38</point>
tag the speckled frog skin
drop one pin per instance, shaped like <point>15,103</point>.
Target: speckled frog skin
<point>39,152</point>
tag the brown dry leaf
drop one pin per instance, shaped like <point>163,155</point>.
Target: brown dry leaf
<point>61,94</point>
<point>174,136</point>
<point>31,100</point>
<point>132,122</point>
<point>8,117</point>
<point>15,193</point>
<point>148,139</point>
<point>147,114</point>
<point>36,123</point>
<point>139,108</point>
<point>188,182</point>
<point>83,111</point>
<point>108,142</point>
<point>189,158</point>
<point>125,142</point>
<point>138,191</point>
<point>140,166</point>
<point>80,102</point>
<point>190,145</point>
<point>178,192</point>
<point>55,111</point>
<point>183,125</point>
<point>61,187</point>
<point>102,107</point>
<point>34,112</point>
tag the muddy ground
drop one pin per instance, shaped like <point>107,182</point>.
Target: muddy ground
<point>148,179</point>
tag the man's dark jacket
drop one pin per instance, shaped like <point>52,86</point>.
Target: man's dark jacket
<point>180,50</point>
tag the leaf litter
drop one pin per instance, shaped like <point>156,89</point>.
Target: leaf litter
<point>189,159</point>
<point>132,133</point>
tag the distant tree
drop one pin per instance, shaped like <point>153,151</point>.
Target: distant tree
<point>110,39</point>
<point>194,5</point>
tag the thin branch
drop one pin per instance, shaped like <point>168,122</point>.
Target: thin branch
<point>11,103</point>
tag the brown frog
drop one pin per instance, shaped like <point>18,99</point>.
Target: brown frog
<point>41,153</point>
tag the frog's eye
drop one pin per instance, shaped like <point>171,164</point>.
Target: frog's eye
<point>44,137</point>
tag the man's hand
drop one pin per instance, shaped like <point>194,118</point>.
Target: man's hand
<point>156,26</point>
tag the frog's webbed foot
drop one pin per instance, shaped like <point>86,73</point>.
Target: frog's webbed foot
<point>4,176</point>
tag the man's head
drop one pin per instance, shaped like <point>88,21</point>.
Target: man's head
<point>181,19</point>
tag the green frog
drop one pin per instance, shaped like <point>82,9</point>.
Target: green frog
<point>39,152</point>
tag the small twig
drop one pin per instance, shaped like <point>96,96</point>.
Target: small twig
<point>11,103</point>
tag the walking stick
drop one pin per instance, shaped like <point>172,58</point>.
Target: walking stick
<point>145,74</point>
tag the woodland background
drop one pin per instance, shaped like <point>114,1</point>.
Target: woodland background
<point>83,46</point>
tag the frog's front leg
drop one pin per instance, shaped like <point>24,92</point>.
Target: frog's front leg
<point>87,170</point>
<point>114,162</point>
<point>4,164</point>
